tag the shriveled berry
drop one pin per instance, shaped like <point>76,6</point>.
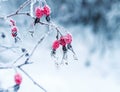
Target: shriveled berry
<point>46,10</point>
<point>18,78</point>
<point>12,22</point>
<point>55,44</point>
<point>38,12</point>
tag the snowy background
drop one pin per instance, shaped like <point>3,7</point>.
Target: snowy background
<point>95,26</point>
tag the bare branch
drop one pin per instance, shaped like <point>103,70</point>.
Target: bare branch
<point>5,48</point>
<point>32,80</point>
<point>18,58</point>
<point>18,10</point>
<point>23,5</point>
<point>35,47</point>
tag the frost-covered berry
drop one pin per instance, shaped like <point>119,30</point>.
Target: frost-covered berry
<point>62,41</point>
<point>68,38</point>
<point>38,12</point>
<point>46,10</point>
<point>55,45</point>
<point>18,78</point>
<point>14,31</point>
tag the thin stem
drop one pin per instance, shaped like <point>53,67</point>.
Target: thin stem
<point>18,10</point>
<point>35,47</point>
<point>43,23</point>
<point>23,5</point>
<point>10,67</point>
<point>5,48</point>
<point>18,58</point>
<point>32,79</point>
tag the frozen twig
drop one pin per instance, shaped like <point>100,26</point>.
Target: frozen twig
<point>12,66</point>
<point>23,5</point>
<point>32,80</point>
<point>35,47</point>
<point>18,10</point>
<point>5,48</point>
<point>18,58</point>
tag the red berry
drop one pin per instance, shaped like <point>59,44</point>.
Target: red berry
<point>18,78</point>
<point>46,10</point>
<point>38,12</point>
<point>62,40</point>
<point>68,38</point>
<point>55,44</point>
<point>14,31</point>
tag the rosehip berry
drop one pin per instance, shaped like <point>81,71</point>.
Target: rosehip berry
<point>38,12</point>
<point>14,31</point>
<point>62,40</point>
<point>46,10</point>
<point>68,38</point>
<point>55,44</point>
<point>18,78</point>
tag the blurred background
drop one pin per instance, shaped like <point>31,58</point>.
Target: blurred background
<point>95,26</point>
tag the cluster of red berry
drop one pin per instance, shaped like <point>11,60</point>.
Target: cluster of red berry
<point>42,11</point>
<point>39,12</point>
<point>65,42</point>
